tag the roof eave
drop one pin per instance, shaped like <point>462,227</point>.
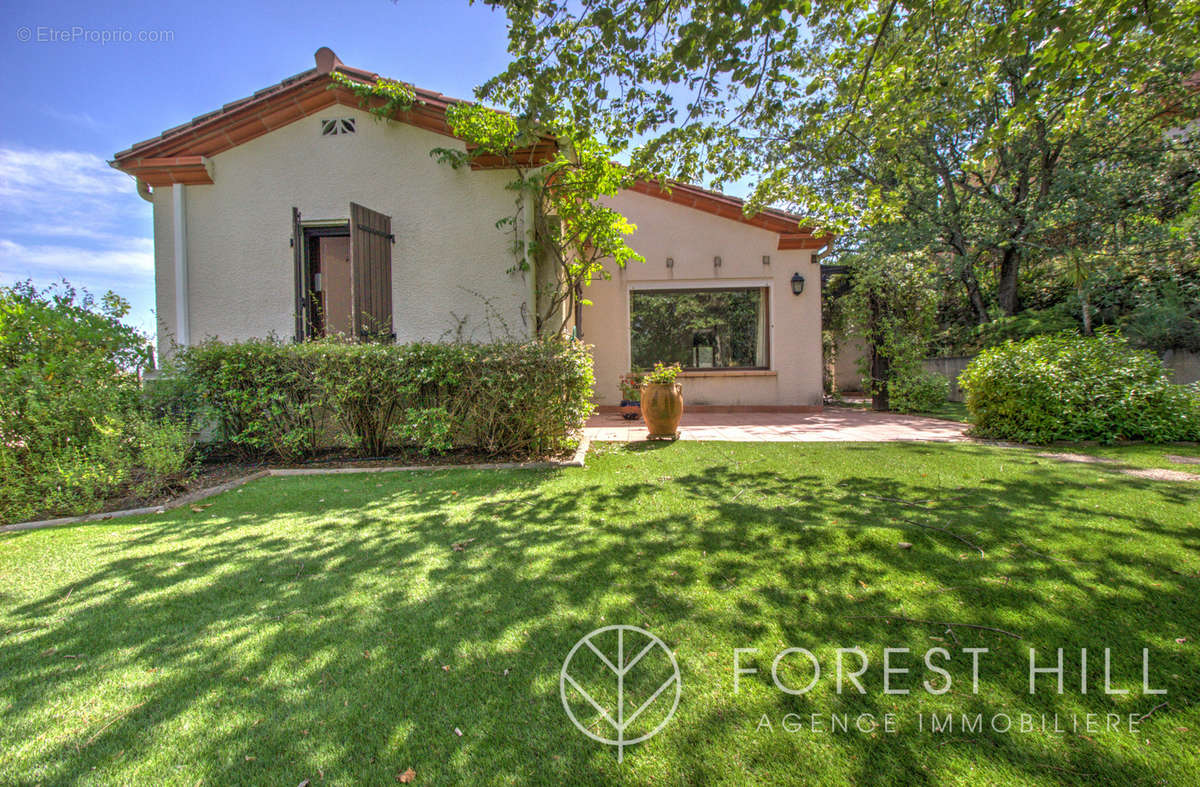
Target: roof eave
<point>793,231</point>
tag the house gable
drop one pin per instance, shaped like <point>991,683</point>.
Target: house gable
<point>793,233</point>
<point>182,155</point>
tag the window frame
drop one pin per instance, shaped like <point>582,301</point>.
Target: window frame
<point>309,232</point>
<point>692,286</point>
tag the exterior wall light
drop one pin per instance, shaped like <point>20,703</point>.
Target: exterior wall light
<point>797,284</point>
<point>670,262</point>
<point>716,262</point>
<point>766,259</point>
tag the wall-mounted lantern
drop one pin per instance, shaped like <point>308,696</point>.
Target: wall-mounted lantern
<point>766,259</point>
<point>716,262</point>
<point>797,284</point>
<point>670,262</point>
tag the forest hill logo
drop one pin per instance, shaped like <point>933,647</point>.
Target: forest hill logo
<point>797,671</point>
<point>851,664</point>
<point>611,684</point>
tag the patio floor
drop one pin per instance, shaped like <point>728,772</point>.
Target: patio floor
<point>831,425</point>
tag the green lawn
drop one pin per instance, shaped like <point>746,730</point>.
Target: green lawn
<point>327,629</point>
<point>1141,455</point>
<point>950,411</point>
<point>947,411</point>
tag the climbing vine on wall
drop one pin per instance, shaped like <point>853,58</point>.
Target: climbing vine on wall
<point>397,96</point>
<point>559,217</point>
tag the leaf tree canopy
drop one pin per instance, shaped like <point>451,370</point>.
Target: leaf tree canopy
<point>984,133</point>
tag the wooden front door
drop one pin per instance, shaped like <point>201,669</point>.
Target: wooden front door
<point>337,304</point>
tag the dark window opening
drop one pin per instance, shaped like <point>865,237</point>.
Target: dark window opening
<point>328,286</point>
<point>344,276</point>
<point>700,329</point>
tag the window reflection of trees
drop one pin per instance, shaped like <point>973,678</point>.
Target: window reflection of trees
<point>708,328</point>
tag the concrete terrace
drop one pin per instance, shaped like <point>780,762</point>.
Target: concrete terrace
<point>833,424</point>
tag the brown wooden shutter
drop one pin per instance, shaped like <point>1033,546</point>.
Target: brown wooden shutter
<point>301,275</point>
<point>371,281</point>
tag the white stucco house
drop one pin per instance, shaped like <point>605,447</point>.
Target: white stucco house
<point>296,213</point>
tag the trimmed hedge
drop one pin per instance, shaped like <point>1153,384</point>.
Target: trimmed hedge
<point>260,395</point>
<point>290,400</point>
<point>1068,387</point>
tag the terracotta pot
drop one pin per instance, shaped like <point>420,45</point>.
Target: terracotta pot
<point>662,407</point>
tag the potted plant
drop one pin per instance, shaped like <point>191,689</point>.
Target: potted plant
<point>631,396</point>
<point>662,402</point>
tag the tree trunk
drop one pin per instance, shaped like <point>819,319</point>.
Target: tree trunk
<point>1085,311</point>
<point>975,296</point>
<point>880,364</point>
<point>1006,288</point>
<point>880,369</point>
<point>964,266</point>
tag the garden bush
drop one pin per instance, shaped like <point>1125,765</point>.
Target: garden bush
<point>163,454</point>
<point>74,428</point>
<point>919,392</point>
<point>260,394</point>
<point>1068,387</point>
<point>290,400</point>
<point>523,399</point>
<point>361,387</point>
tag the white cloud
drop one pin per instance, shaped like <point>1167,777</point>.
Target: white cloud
<point>66,213</point>
<point>26,174</point>
<point>65,192</point>
<point>132,258</point>
<point>80,232</point>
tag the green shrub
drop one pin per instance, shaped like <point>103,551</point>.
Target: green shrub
<point>164,453</point>
<point>522,399</point>
<point>919,392</point>
<point>78,479</point>
<point>661,374</point>
<point>260,393</point>
<point>361,387</point>
<point>65,362</point>
<point>169,395</point>
<point>286,400</point>
<point>1067,387</point>
<point>428,428</point>
<point>74,427</point>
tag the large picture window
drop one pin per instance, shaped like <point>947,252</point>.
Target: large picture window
<point>699,329</point>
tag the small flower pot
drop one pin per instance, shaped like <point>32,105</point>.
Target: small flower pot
<point>631,410</point>
<point>662,407</point>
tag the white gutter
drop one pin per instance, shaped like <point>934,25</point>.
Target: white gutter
<point>143,190</point>
<point>179,223</point>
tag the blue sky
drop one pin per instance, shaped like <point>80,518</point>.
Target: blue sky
<point>72,104</point>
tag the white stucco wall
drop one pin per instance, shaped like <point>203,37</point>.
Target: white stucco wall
<point>164,270</point>
<point>851,348</point>
<point>240,265</point>
<point>692,238</point>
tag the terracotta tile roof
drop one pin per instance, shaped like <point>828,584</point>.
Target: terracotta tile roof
<point>181,154</point>
<point>794,232</point>
<point>270,108</point>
